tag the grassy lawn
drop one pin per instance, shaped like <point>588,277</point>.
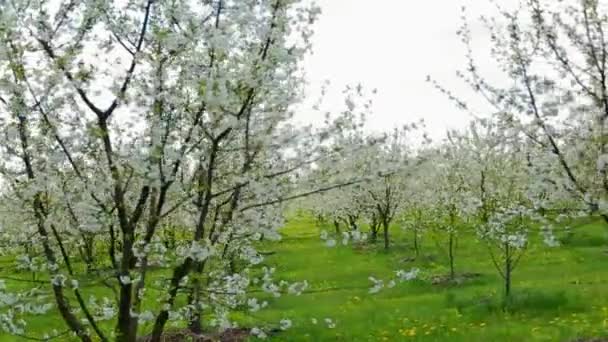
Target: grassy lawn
<point>560,294</point>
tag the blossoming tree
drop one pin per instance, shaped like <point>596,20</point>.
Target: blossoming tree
<point>126,122</point>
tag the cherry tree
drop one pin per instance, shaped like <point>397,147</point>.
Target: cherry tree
<point>555,55</point>
<point>501,185</point>
<point>417,213</point>
<point>500,182</point>
<point>387,194</point>
<point>346,154</point>
<point>126,122</point>
<point>453,204</point>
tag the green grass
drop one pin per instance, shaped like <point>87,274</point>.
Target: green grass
<point>560,294</point>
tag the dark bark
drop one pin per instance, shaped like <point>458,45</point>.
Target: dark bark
<point>373,228</point>
<point>416,244</point>
<point>89,252</point>
<point>352,222</point>
<point>337,227</point>
<point>451,255</point>
<point>178,274</point>
<point>385,231</point>
<point>508,270</point>
<point>40,213</point>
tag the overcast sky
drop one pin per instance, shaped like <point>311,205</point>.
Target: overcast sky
<point>392,45</point>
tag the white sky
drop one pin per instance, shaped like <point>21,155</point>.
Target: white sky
<point>392,45</point>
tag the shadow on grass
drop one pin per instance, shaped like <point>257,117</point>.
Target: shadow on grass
<point>520,301</point>
<point>584,240</point>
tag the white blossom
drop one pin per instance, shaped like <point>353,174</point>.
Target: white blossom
<point>285,324</point>
<point>259,333</point>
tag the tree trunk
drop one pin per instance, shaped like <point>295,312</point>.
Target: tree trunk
<point>416,246</point>
<point>508,269</point>
<point>178,274</point>
<point>132,262</point>
<point>89,252</point>
<point>194,298</point>
<point>386,240</point>
<point>169,237</point>
<point>373,234</point>
<point>320,220</point>
<point>337,226</point>
<point>508,282</point>
<point>126,330</point>
<point>352,222</point>
<point>195,324</point>
<point>451,255</point>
